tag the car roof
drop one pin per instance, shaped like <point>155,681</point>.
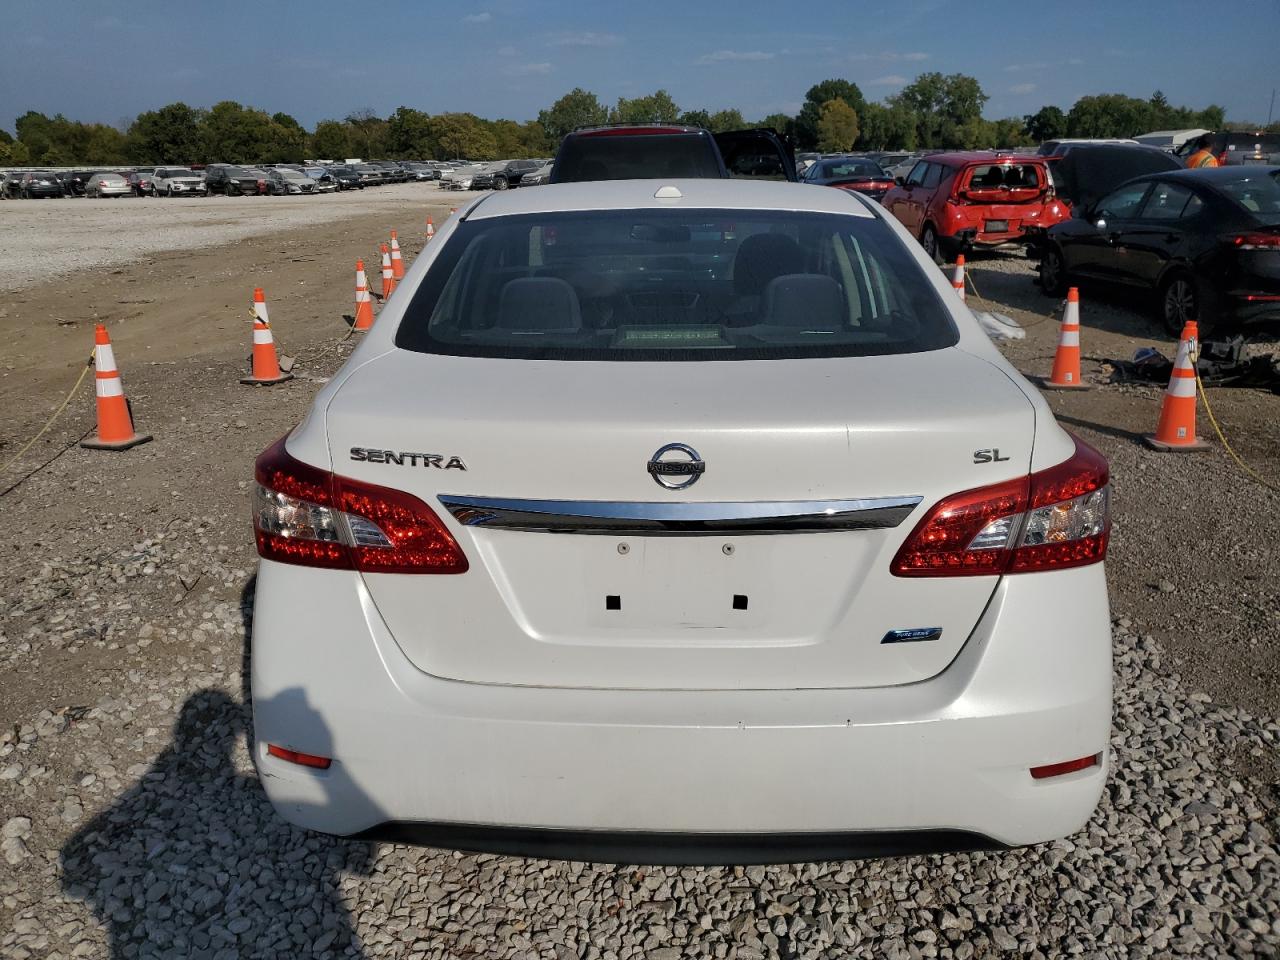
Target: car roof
<point>961,157</point>
<point>1216,174</point>
<point>712,193</point>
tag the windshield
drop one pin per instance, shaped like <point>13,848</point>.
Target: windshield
<point>1258,194</point>
<point>850,168</point>
<point>674,285</point>
<point>293,175</point>
<point>237,172</point>
<point>1005,176</point>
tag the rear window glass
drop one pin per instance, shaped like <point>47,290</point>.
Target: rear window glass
<point>1005,176</point>
<point>674,285</point>
<point>1258,194</point>
<point>851,168</point>
<point>612,157</point>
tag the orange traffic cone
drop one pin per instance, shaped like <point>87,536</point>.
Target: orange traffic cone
<point>452,211</point>
<point>364,303</point>
<point>397,263</point>
<point>1176,431</point>
<point>431,227</point>
<point>388,278</point>
<point>115,425</point>
<point>266,368</point>
<point>1066,362</point>
<point>957,278</point>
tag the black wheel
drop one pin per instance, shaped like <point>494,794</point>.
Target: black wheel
<point>1178,303</point>
<point>929,240</point>
<point>500,183</point>
<point>1053,272</point>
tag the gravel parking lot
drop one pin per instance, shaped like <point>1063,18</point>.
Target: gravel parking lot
<point>131,820</point>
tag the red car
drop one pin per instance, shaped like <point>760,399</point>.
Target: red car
<point>952,202</point>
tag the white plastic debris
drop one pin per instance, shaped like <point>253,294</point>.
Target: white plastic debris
<point>999,326</point>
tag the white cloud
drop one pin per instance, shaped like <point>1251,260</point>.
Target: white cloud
<point>735,56</point>
<point>1022,88</point>
<point>478,17</point>
<point>1020,67</point>
<point>506,51</point>
<point>1074,62</point>
<point>891,56</point>
<point>528,69</point>
<point>585,38</point>
<point>892,80</point>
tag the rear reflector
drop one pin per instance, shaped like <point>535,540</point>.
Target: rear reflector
<point>301,759</point>
<point>1070,766</point>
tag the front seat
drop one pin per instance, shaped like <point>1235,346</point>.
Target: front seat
<point>810,302</point>
<point>760,258</point>
<point>532,305</point>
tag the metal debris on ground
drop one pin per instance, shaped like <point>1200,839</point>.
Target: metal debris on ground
<point>1222,363</point>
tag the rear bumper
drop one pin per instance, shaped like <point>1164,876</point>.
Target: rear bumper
<point>738,775</point>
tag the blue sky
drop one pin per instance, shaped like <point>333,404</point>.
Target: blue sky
<point>502,58</point>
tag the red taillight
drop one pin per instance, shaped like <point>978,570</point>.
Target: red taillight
<point>102,183</point>
<point>1049,520</point>
<point>306,516</point>
<point>1068,766</point>
<point>301,759</point>
<point>1257,241</point>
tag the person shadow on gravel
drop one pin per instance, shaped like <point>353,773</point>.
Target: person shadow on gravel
<point>193,862</point>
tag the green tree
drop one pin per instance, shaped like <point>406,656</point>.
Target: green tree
<point>233,133</point>
<point>657,107</point>
<point>106,146</point>
<point>946,108</point>
<point>577,108</point>
<point>408,134</point>
<point>508,138</point>
<point>368,133</point>
<point>695,118</point>
<point>1047,123</point>
<point>837,126</point>
<point>168,135</point>
<point>461,136</point>
<point>722,120</point>
<point>534,139</point>
<point>1010,132</point>
<point>806,124</point>
<point>1214,117</point>
<point>14,154</point>
<point>330,141</point>
<point>779,122</point>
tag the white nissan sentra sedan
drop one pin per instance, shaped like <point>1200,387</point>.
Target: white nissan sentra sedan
<point>681,521</point>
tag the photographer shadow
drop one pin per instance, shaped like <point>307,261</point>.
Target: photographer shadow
<point>192,861</point>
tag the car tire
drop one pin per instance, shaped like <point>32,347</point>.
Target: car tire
<point>1181,298</point>
<point>500,183</point>
<point>932,245</point>
<point>1052,272</point>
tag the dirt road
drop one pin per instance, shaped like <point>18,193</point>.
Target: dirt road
<point>128,588</point>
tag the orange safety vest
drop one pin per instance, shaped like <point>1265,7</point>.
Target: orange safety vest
<point>1202,158</point>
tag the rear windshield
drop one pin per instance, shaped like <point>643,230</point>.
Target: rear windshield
<point>851,168</point>
<point>1260,194</point>
<point>674,285</point>
<point>1008,176</point>
<point>656,156</point>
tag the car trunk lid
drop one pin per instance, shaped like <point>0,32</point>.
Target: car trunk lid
<point>705,607</point>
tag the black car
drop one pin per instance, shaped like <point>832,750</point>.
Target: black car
<point>648,151</point>
<point>234,181</point>
<point>392,171</point>
<point>1206,242</point>
<point>140,182</point>
<point>348,178</point>
<point>1089,171</point>
<point>851,173</point>
<point>40,184</point>
<point>503,177</point>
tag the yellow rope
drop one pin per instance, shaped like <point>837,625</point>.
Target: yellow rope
<point>1218,430</point>
<point>49,423</point>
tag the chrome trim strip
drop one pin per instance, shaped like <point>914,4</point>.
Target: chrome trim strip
<point>685,519</point>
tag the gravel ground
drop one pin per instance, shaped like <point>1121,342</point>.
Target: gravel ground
<point>131,820</point>
<point>41,239</point>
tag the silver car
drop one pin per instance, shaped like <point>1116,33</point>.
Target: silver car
<point>178,182</point>
<point>107,185</point>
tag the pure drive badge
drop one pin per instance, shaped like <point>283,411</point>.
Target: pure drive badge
<point>401,459</point>
<point>912,635</point>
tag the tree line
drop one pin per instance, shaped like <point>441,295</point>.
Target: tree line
<point>935,111</point>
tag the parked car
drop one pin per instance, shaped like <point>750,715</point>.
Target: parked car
<point>1233,147</point>
<point>504,174</point>
<point>422,171</point>
<point>1170,141</point>
<point>1090,171</point>
<point>1060,148</point>
<point>812,556</point>
<point>850,173</point>
<point>627,152</point>
<point>40,185</point>
<point>346,177</point>
<point>140,183</point>
<point>370,175</point>
<point>460,178</point>
<point>107,184</point>
<point>178,182</point>
<point>285,181</point>
<point>234,181</point>
<point>392,171</point>
<point>952,202</point>
<point>1206,242</point>
<point>537,177</point>
<point>325,181</point>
